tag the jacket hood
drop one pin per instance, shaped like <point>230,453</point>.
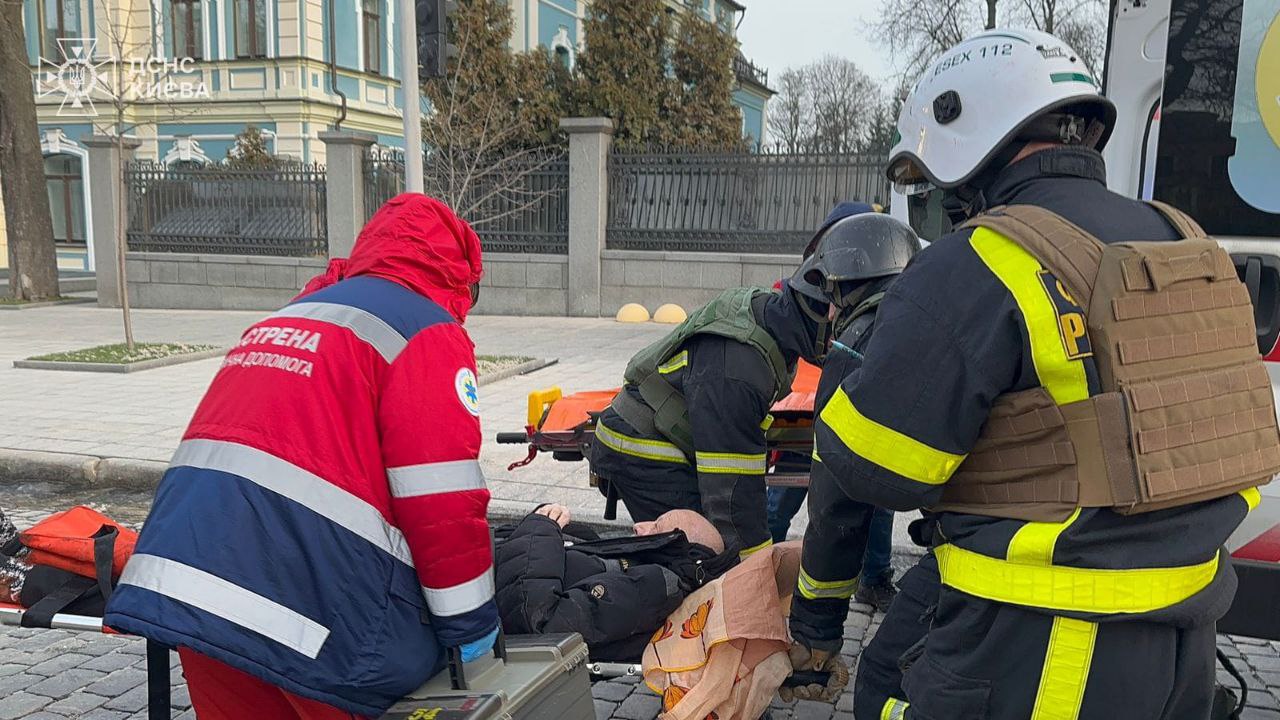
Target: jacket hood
<point>418,242</point>
<point>795,332</point>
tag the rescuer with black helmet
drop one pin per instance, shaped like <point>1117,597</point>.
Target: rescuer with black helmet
<point>688,428</point>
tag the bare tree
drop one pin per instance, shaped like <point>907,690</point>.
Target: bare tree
<point>141,86</point>
<point>1079,23</point>
<point>915,31</point>
<point>33,263</point>
<point>791,112</point>
<point>843,97</point>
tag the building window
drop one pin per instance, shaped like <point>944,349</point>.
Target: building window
<point>563,57</point>
<point>372,35</point>
<point>251,28</point>
<point>186,32</point>
<point>58,19</point>
<point>65,183</point>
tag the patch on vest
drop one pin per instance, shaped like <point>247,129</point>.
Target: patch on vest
<point>468,392</point>
<point>597,592</point>
<point>1071,323</point>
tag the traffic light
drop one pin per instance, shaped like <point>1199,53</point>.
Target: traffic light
<point>434,50</point>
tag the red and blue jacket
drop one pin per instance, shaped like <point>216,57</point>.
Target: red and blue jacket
<point>322,524</point>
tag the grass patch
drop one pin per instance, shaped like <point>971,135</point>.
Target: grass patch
<point>23,301</point>
<point>486,364</point>
<point>119,353</point>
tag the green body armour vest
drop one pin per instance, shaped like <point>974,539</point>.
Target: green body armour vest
<point>664,411</point>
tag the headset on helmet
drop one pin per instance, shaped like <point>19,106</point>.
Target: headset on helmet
<point>974,102</point>
<point>840,262</point>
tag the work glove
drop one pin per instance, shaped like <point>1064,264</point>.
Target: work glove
<point>478,648</point>
<point>805,659</point>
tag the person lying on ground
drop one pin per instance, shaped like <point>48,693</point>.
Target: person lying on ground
<point>554,575</point>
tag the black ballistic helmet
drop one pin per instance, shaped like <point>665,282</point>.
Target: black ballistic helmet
<point>840,262</point>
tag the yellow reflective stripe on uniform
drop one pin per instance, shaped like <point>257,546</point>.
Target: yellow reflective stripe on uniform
<point>1053,587</point>
<point>676,362</point>
<point>1034,542</point>
<point>1252,497</point>
<point>885,446</point>
<point>766,423</point>
<point>894,709</point>
<point>814,589</point>
<point>755,548</point>
<point>1066,669</point>
<point>1018,270</point>
<point>731,463</point>
<point>639,447</point>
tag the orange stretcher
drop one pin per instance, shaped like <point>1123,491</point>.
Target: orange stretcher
<point>564,425</point>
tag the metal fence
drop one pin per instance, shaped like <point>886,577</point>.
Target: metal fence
<point>736,202</point>
<point>277,211</point>
<point>524,211</point>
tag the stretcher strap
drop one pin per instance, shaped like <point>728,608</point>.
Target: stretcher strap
<point>157,681</point>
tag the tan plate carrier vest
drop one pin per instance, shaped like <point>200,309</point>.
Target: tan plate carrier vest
<point>1185,412</point>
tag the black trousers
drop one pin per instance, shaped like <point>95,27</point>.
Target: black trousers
<point>982,660</point>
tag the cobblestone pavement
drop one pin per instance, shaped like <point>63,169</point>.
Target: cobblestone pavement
<point>56,674</point>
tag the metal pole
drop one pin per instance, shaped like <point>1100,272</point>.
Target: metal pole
<point>412,105</point>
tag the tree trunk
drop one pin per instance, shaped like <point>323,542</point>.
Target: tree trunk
<point>33,262</point>
<point>991,14</point>
<point>122,237</point>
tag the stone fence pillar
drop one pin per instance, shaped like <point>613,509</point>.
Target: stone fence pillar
<point>106,176</point>
<point>344,187</point>
<point>589,141</point>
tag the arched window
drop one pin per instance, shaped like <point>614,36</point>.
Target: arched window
<point>64,181</point>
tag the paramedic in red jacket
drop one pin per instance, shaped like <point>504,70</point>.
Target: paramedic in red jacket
<point>319,539</point>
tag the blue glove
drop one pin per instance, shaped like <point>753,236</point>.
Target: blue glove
<point>476,648</point>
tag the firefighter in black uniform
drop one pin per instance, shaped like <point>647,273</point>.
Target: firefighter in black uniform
<point>688,429</point>
<point>836,539</point>
<point>1086,418</point>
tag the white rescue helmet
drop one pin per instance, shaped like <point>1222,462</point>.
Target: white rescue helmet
<point>996,87</point>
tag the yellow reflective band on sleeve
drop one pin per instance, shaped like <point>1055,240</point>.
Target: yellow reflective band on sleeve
<point>766,423</point>
<point>742,554</point>
<point>814,589</point>
<point>639,447</point>
<point>1034,542</point>
<point>885,446</point>
<point>676,362</point>
<point>1052,587</point>
<point>731,463</point>
<point>1252,497</point>
<point>1066,669</point>
<point>1062,377</point>
<point>894,709</point>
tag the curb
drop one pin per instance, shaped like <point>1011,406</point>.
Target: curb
<point>47,303</point>
<point>66,468</point>
<point>523,368</point>
<point>119,367</point>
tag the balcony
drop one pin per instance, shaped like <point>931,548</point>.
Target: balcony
<point>748,74</point>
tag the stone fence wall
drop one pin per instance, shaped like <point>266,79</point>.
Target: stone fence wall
<point>223,282</point>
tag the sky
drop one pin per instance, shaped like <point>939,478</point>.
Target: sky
<point>778,34</point>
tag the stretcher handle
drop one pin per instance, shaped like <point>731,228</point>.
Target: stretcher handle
<point>512,438</point>
<point>800,678</point>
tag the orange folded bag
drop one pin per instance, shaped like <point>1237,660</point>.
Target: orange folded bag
<point>65,541</point>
